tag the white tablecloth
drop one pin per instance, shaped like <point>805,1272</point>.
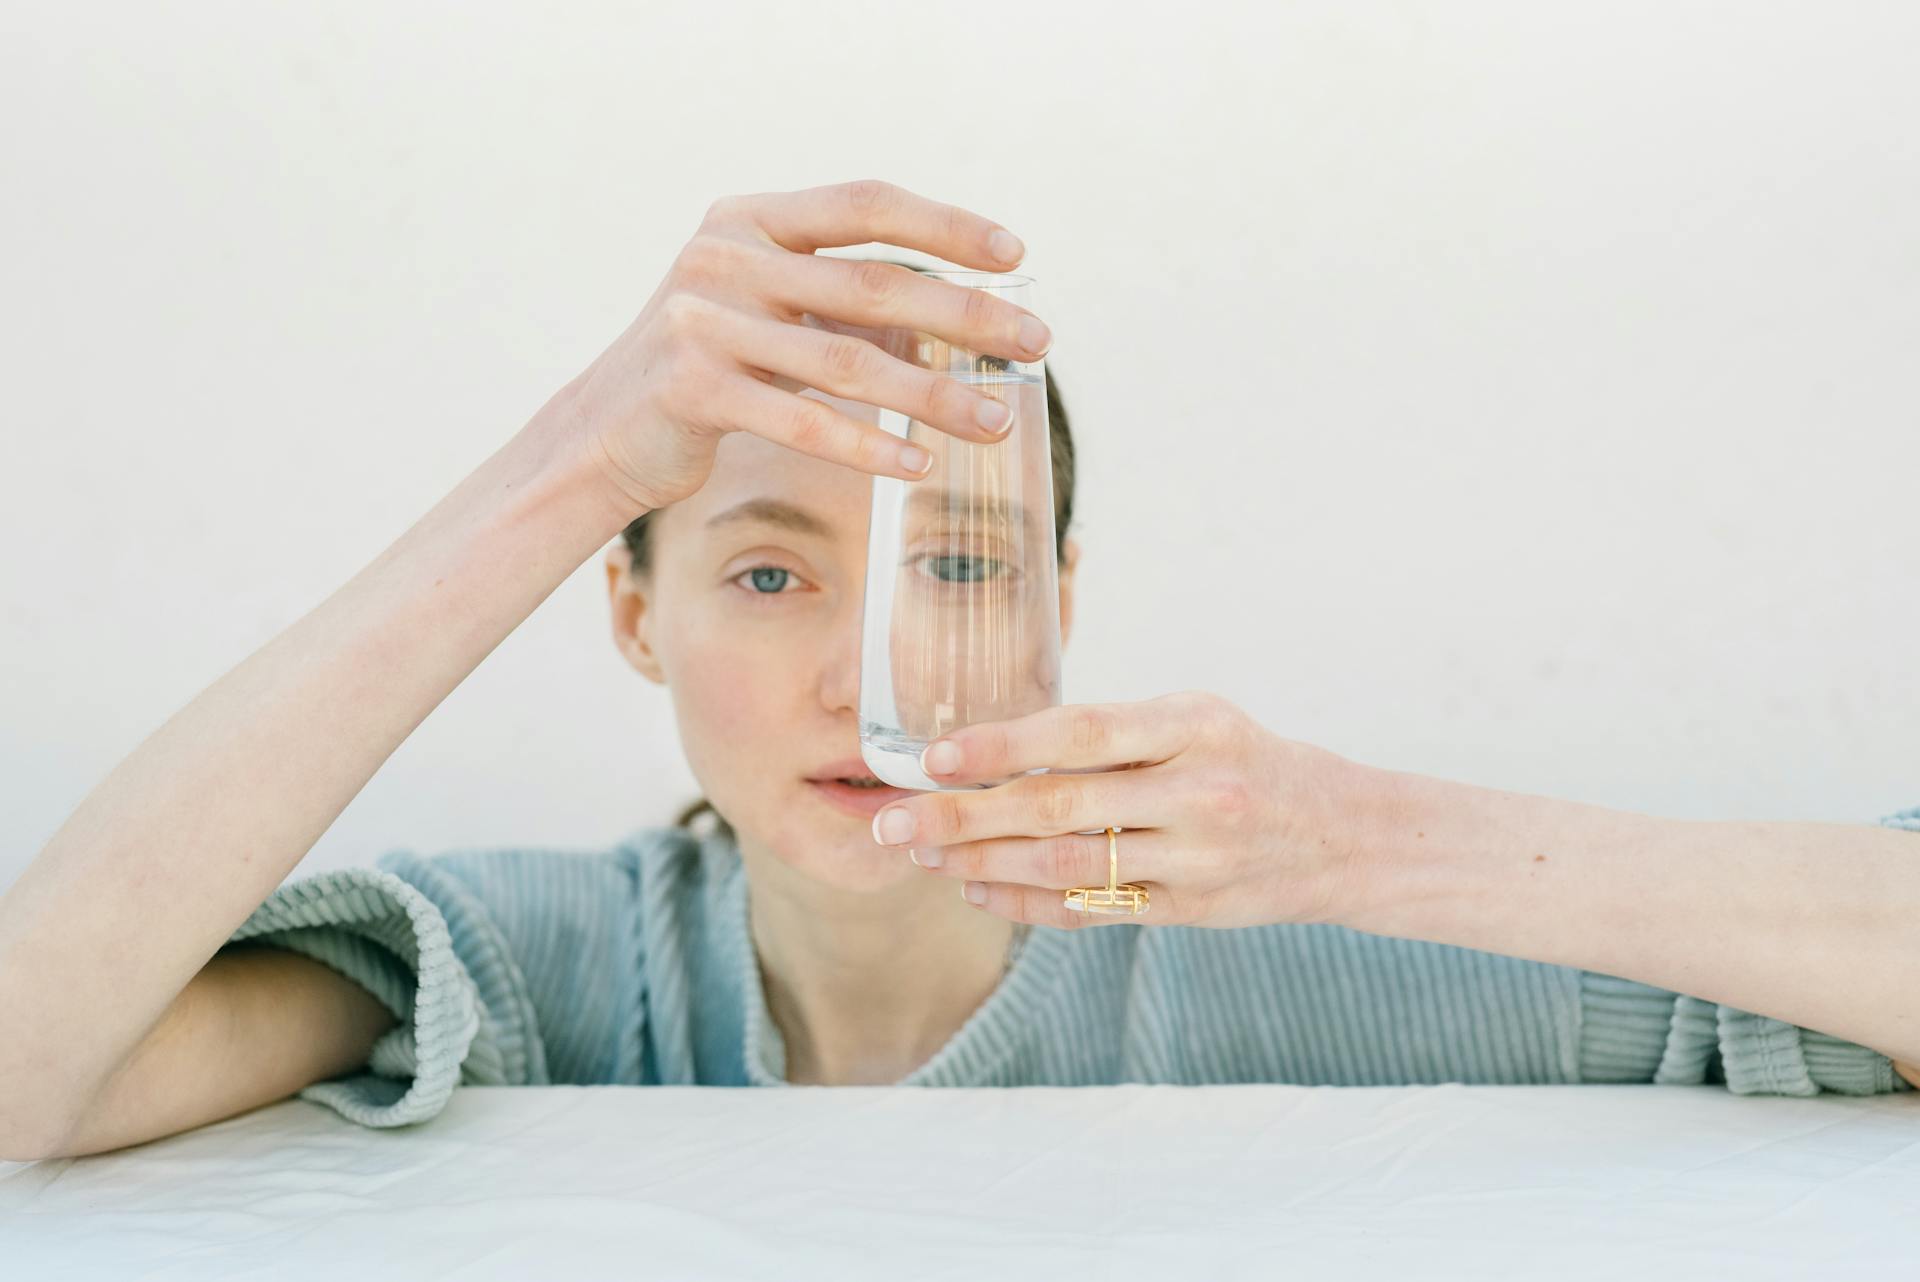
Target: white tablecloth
<point>1157,1182</point>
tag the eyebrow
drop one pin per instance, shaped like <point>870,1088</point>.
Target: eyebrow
<point>790,516</point>
<point>944,503</point>
<point>774,512</point>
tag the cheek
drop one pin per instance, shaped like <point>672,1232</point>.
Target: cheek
<point>723,692</point>
<point>729,693</point>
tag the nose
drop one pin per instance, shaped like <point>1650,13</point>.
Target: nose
<point>840,670</point>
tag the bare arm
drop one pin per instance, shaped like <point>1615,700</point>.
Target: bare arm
<point>165,859</point>
<point>257,1024</point>
<point>1810,923</point>
<point>184,838</point>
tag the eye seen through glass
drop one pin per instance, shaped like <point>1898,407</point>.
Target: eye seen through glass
<point>962,593</point>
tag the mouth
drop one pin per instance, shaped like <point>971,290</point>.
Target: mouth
<point>853,789</point>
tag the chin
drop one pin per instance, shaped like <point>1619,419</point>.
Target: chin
<point>855,871</point>
<point>837,850</point>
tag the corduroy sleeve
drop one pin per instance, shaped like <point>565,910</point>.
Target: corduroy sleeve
<point>1626,1026</point>
<point>388,935</point>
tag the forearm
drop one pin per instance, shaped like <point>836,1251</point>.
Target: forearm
<point>1811,923</point>
<point>202,821</point>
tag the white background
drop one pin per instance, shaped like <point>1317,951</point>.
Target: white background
<point>1517,393</point>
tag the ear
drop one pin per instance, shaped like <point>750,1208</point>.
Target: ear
<point>628,599</point>
<point>1071,551</point>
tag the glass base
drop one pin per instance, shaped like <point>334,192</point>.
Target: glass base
<point>895,759</point>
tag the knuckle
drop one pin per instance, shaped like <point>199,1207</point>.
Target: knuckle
<point>1063,861</point>
<point>683,316</point>
<point>874,451</point>
<point>1197,702</point>
<point>995,745</point>
<point>707,259</point>
<point>941,398</point>
<point>1091,729</point>
<point>1227,800</point>
<point>876,283</point>
<point>870,196</point>
<point>846,358</point>
<point>1209,711</point>
<point>691,263</point>
<point>811,427</point>
<point>1231,726</point>
<point>946,817</point>
<point>724,209</point>
<point>1052,805</point>
<point>982,312</point>
<point>966,860</point>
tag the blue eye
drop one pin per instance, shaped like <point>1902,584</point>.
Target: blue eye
<point>965,569</point>
<point>771,577</point>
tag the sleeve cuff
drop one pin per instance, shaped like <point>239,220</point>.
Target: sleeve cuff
<point>384,934</point>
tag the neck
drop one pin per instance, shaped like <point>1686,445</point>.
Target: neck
<point>866,986</point>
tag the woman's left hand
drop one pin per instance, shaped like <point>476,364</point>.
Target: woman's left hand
<point>1224,823</point>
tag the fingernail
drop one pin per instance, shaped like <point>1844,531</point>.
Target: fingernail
<point>1006,246</point>
<point>941,758</point>
<point>914,459</point>
<point>974,892</point>
<point>1033,335</point>
<point>992,415</point>
<point>928,858</point>
<point>893,827</point>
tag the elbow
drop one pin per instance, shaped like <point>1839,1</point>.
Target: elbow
<point>11,1152</point>
<point>31,1146</point>
<point>31,1128</point>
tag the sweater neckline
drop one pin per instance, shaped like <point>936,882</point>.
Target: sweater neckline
<point>968,1058</point>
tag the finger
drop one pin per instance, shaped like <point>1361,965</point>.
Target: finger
<point>892,303</point>
<point>1031,806</point>
<point>814,427</point>
<point>1038,907</point>
<point>856,213</point>
<point>857,370</point>
<point>1069,736</point>
<point>1056,862</point>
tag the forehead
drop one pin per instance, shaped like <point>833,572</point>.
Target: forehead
<point>808,497</point>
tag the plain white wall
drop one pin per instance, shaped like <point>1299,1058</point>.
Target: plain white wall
<point>1517,393</point>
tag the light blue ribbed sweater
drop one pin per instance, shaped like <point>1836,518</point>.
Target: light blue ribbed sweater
<point>634,965</point>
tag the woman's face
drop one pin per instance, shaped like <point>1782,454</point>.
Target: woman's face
<point>751,619</point>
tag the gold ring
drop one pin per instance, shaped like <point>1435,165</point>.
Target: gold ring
<point>1112,899</point>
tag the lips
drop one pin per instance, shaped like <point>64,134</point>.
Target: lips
<point>830,784</point>
<point>845,768</point>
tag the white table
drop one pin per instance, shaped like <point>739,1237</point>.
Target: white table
<point>1257,1181</point>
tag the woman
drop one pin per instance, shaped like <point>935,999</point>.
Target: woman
<point>1310,918</point>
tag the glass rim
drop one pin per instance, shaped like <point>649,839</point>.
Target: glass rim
<point>949,273</point>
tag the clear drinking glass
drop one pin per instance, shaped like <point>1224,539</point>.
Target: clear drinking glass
<point>961,619</point>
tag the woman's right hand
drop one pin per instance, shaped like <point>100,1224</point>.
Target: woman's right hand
<point>749,314</point>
